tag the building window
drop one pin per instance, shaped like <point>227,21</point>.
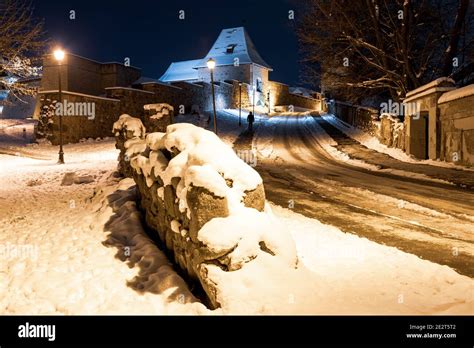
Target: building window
<point>230,48</point>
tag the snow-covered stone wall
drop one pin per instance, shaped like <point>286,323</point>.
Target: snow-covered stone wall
<point>456,109</point>
<point>158,117</point>
<point>205,203</point>
<point>356,115</point>
<point>391,131</point>
<point>280,95</point>
<point>128,131</point>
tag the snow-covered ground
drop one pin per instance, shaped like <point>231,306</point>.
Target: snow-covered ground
<point>264,145</point>
<point>53,259</point>
<point>63,251</point>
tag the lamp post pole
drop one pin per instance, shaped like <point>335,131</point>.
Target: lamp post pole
<point>59,55</point>
<point>211,65</point>
<point>240,104</point>
<point>253,106</point>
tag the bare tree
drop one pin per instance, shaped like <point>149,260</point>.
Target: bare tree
<point>21,46</point>
<point>452,49</point>
<point>361,48</point>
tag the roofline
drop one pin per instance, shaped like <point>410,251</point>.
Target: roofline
<point>129,89</point>
<point>217,65</point>
<point>161,83</point>
<point>429,85</point>
<point>96,61</point>
<point>429,91</point>
<point>78,94</point>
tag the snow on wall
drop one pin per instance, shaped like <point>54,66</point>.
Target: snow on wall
<point>128,132</point>
<point>432,84</point>
<point>457,94</point>
<point>206,205</point>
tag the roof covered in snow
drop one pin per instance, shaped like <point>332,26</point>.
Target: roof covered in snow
<point>234,43</point>
<point>231,43</point>
<point>181,71</point>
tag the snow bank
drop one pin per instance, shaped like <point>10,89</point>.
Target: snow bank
<point>62,253</point>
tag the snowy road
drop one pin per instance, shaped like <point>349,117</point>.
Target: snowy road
<point>62,248</point>
<point>431,219</point>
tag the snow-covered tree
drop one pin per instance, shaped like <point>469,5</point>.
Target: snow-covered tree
<point>361,48</point>
<point>21,46</point>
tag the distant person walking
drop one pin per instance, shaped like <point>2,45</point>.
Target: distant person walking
<point>250,121</point>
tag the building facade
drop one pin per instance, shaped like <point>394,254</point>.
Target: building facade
<point>241,79</point>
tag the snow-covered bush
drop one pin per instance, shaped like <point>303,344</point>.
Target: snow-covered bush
<point>44,129</point>
<point>206,204</point>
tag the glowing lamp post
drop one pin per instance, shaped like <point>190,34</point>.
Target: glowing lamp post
<point>211,64</point>
<point>59,56</point>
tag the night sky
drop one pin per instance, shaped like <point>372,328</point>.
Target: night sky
<point>152,36</point>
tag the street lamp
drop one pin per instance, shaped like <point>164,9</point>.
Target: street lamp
<point>211,64</point>
<point>59,56</point>
<point>240,103</point>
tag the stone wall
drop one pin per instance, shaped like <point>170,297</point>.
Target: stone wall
<point>158,117</point>
<point>182,187</point>
<point>438,122</point>
<point>391,131</point>
<point>75,127</point>
<point>355,115</point>
<point>230,72</point>
<point>280,95</point>
<point>422,131</point>
<point>167,93</point>
<point>457,124</point>
<point>82,75</point>
<point>131,100</point>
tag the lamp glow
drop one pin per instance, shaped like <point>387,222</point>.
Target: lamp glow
<point>211,63</point>
<point>59,54</point>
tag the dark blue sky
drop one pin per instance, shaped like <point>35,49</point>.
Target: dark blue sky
<point>151,34</point>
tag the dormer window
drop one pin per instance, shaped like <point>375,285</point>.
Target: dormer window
<point>230,48</point>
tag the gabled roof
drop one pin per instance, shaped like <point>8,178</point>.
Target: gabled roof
<point>230,44</point>
<point>181,71</point>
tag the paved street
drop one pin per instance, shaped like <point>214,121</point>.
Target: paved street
<point>433,220</point>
